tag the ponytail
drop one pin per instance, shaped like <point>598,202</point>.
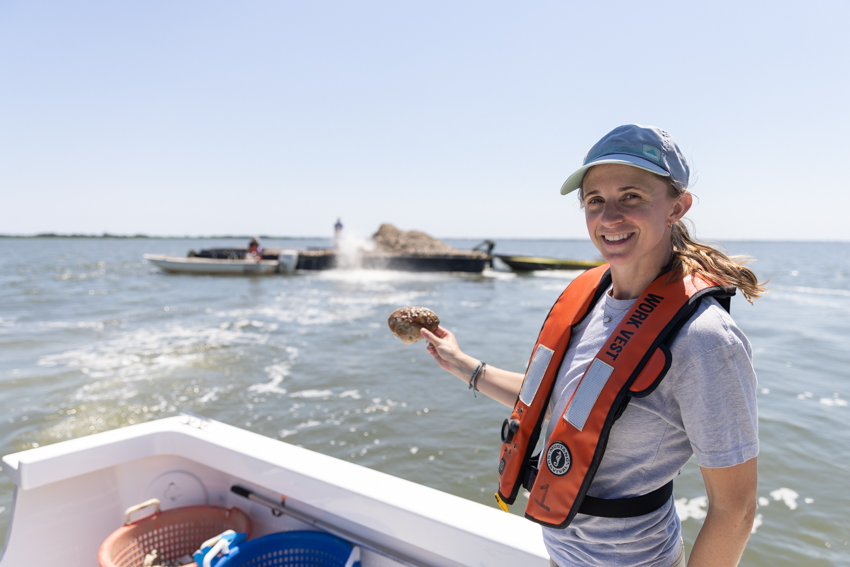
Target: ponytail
<point>693,258</point>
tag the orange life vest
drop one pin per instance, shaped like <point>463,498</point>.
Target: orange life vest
<point>632,363</point>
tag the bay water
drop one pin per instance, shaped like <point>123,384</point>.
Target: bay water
<point>94,338</point>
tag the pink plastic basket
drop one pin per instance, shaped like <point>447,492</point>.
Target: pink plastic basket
<point>173,533</point>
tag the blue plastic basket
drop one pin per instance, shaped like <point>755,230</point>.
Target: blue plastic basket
<point>290,549</point>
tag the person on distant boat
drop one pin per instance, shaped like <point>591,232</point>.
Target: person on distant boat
<point>637,369</point>
<point>255,251</point>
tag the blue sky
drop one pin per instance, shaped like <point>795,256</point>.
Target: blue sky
<point>461,119</point>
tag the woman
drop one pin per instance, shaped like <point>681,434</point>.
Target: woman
<point>633,189</point>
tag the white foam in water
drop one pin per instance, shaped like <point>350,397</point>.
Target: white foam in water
<point>498,274</point>
<point>277,374</point>
<point>396,298</point>
<point>353,394</point>
<point>812,297</point>
<point>558,274</point>
<point>304,311</point>
<point>210,396</point>
<point>132,346</point>
<point>695,508</point>
<point>140,355</point>
<point>175,346</point>
<point>312,394</point>
<point>271,387</point>
<point>786,495</point>
<point>834,401</point>
<point>96,325</point>
<point>764,501</point>
<point>815,290</point>
<point>360,276</point>
<point>757,523</point>
<point>324,310</point>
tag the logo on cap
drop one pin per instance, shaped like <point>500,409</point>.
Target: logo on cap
<point>652,152</point>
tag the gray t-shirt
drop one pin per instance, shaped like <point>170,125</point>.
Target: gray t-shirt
<point>705,406</point>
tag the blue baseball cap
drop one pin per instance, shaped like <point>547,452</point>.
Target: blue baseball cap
<point>645,147</point>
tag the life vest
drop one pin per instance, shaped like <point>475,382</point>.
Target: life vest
<point>632,363</point>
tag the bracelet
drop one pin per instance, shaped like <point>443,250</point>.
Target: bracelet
<point>477,378</point>
<point>475,374</point>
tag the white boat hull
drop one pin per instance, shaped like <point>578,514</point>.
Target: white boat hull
<point>70,496</point>
<point>176,264</point>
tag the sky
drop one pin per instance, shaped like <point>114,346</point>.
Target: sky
<point>460,118</point>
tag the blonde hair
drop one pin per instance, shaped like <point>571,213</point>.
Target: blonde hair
<point>691,257</point>
<point>695,258</point>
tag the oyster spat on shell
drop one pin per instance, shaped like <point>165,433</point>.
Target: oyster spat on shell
<point>406,322</point>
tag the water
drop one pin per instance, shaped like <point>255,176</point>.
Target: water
<point>92,338</point>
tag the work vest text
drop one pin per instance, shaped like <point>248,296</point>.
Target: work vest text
<point>643,310</point>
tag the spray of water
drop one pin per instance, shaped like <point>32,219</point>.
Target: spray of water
<point>350,250</point>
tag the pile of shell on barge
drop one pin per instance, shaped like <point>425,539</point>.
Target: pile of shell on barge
<point>389,249</point>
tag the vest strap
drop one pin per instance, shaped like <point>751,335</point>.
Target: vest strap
<point>627,507</point>
<point>610,508</point>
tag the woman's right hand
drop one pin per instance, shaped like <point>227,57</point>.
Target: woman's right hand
<point>501,385</point>
<point>443,347</point>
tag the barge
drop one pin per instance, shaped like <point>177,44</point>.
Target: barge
<point>327,259</point>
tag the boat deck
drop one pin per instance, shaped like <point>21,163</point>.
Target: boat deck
<point>74,494</point>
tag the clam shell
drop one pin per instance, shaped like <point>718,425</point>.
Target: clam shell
<point>406,322</point>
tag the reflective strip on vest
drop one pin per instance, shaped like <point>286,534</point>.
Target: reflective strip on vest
<point>587,393</point>
<point>534,376</point>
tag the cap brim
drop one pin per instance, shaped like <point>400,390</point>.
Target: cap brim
<point>573,182</point>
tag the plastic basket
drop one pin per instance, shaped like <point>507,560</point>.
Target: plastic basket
<point>173,533</point>
<point>290,549</point>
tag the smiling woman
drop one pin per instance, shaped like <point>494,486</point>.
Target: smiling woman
<point>637,359</point>
<point>629,213</point>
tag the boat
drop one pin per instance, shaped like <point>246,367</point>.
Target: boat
<point>70,496</point>
<point>284,263</point>
<point>533,263</point>
<point>326,259</point>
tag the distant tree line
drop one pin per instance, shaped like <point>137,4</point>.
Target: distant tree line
<point>108,235</point>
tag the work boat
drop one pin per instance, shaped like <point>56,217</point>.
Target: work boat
<point>69,497</point>
<point>285,263</point>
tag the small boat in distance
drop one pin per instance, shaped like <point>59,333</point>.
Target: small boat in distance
<point>196,265</point>
<point>532,263</point>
